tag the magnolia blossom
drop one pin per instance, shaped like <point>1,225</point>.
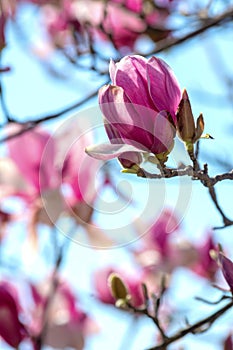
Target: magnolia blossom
<point>163,249</point>
<point>70,23</point>
<point>52,174</point>
<point>132,282</point>
<point>67,324</point>
<point>160,230</point>
<point>139,108</point>
<point>205,266</point>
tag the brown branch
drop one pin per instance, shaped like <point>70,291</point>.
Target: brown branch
<point>39,340</point>
<point>187,171</point>
<point>210,23</point>
<point>196,327</point>
<point>226,221</point>
<point>30,124</point>
<point>144,310</point>
<point>198,174</point>
<point>161,46</point>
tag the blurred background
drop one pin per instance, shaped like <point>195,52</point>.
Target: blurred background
<point>67,220</point>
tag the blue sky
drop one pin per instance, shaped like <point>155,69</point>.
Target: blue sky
<point>31,91</point>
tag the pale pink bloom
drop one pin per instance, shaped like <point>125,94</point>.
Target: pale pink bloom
<point>159,232</point>
<point>67,324</point>
<point>34,170</point>
<point>140,105</point>
<point>205,266</point>
<point>75,168</point>
<point>61,23</point>
<point>11,329</point>
<point>120,21</point>
<point>162,248</point>
<point>12,183</point>
<point>26,151</point>
<point>124,26</point>
<point>40,164</point>
<point>39,167</point>
<point>133,283</point>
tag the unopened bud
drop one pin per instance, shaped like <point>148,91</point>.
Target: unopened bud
<point>185,123</point>
<point>117,287</point>
<point>123,303</point>
<point>185,120</point>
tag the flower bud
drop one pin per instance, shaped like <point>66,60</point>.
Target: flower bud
<point>117,287</point>
<point>185,123</point>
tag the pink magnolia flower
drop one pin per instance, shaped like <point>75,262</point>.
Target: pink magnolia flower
<point>47,162</point>
<point>52,174</point>
<point>133,283</point>
<point>35,178</point>
<point>122,21</point>
<point>67,324</point>
<point>205,266</point>
<point>159,233</point>
<point>61,24</point>
<point>11,329</point>
<point>140,107</point>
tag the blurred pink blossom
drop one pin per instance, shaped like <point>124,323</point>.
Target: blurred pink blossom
<point>205,266</point>
<point>132,281</point>
<point>39,167</point>
<point>11,329</point>
<point>66,324</point>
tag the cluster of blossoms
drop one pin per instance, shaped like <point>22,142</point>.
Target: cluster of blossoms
<point>52,176</point>
<point>161,252</point>
<point>143,110</point>
<point>75,26</point>
<point>66,324</point>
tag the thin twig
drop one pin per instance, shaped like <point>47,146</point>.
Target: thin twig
<point>210,23</point>
<point>208,321</point>
<point>30,124</point>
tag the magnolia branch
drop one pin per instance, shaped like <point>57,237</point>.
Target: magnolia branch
<point>202,176</point>
<point>161,46</point>
<point>30,124</point>
<point>195,328</point>
<point>168,173</point>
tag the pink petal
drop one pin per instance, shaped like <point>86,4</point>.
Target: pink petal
<point>112,70</point>
<point>109,151</point>
<point>77,169</point>
<point>134,123</point>
<point>11,181</point>
<point>27,150</point>
<point>131,75</point>
<point>164,88</point>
